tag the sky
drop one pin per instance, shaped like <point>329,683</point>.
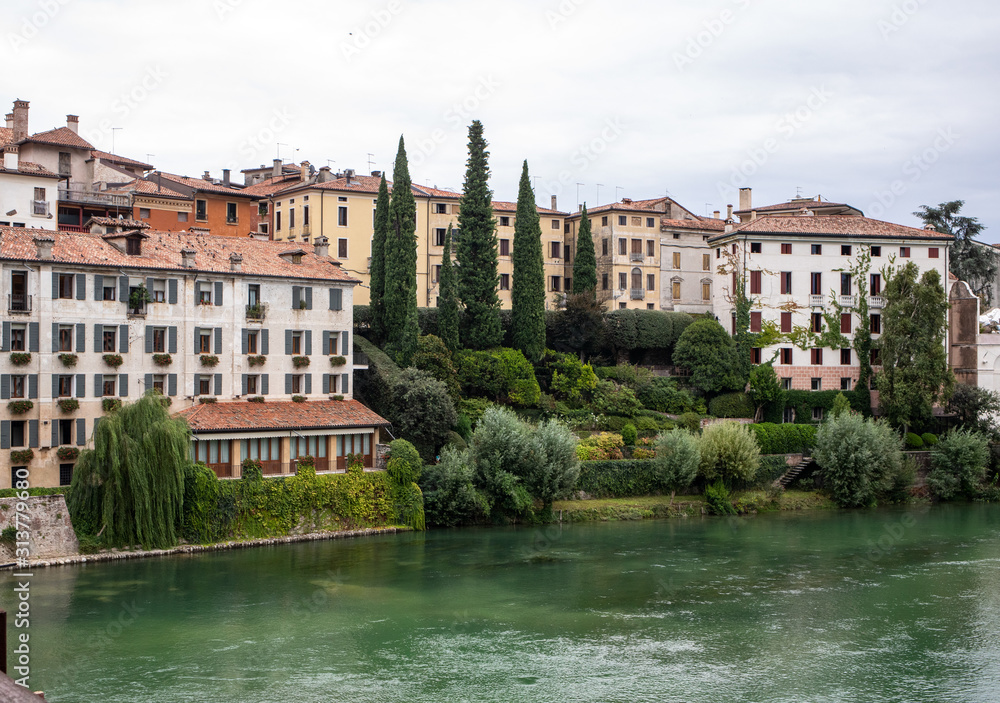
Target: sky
<point>885,105</point>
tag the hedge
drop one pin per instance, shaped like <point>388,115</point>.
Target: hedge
<point>374,386</point>
<point>731,405</point>
<point>784,438</point>
<point>618,479</point>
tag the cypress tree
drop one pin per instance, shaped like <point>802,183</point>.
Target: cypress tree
<point>447,300</point>
<point>585,263</point>
<point>401,325</point>
<point>527,293</point>
<point>477,249</point>
<point>377,281</point>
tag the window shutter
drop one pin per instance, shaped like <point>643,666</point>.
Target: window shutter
<point>288,384</point>
<point>147,382</point>
<point>309,383</point>
<point>98,287</point>
<point>4,386</point>
<point>123,289</point>
<point>123,339</point>
<point>33,386</point>
<point>218,384</point>
<point>197,338</point>
<point>123,385</point>
<point>172,339</point>
<point>218,340</point>
<point>81,381</point>
<point>263,384</point>
<point>55,336</point>
<point>288,342</point>
<point>81,432</point>
<point>172,384</point>
<point>55,434</point>
<point>326,343</point>
<point>326,383</point>
<point>343,383</point>
<point>197,292</point>
<point>217,299</point>
<point>4,434</point>
<point>81,338</point>
<point>309,298</point>
<point>33,336</point>
<point>244,385</point>
<point>33,433</point>
<point>98,331</point>
<point>148,334</point>
<point>345,338</point>
<point>246,339</point>
<point>6,336</point>
<point>55,386</point>
<point>172,291</point>
<point>295,297</point>
<point>81,286</point>
<point>336,299</point>
<point>263,342</point>
<point>55,285</point>
<point>98,385</point>
<point>309,342</point>
<point>149,286</point>
<point>195,386</point>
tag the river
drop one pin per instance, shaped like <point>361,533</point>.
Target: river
<point>881,605</point>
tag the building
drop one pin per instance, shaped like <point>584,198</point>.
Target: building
<point>27,192</point>
<point>215,206</point>
<point>211,322</point>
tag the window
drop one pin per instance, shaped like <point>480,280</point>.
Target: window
<point>875,287</point>
<point>205,340</point>
<point>204,294</point>
<point>109,288</point>
<point>65,338</point>
<point>296,342</point>
<point>815,384</point>
<point>201,210</point>
<point>554,250</point>
<point>182,217</point>
<point>816,283</point>
<point>904,252</point>
<point>786,355</point>
<point>676,259</point>
<point>504,281</point>
<point>604,221</point>
<point>677,235</point>
<point>604,281</point>
<point>342,248</point>
<point>17,385</point>
<point>65,474</point>
<point>675,290</point>
<point>436,273</point>
<point>754,247</point>
<point>504,220</point>
<point>650,248</point>
<point>816,249</point>
<point>650,281</point>
<point>66,285</point>
<point>277,221</point>
<point>755,355</point>
<point>204,384</point>
<point>755,321</point>
<point>439,235</point>
<point>108,385</point>
<point>816,358</point>
<point>133,246</point>
<point>252,339</point>
<point>786,322</point>
<point>64,431</point>
<point>845,284</point>
<point>845,357</point>
<point>18,436</point>
<point>706,262</point>
<point>718,253</point>
<point>622,306</point>
<point>786,248</point>
<point>622,220</point>
<point>621,247</point>
<point>876,360</point>
<point>845,384</point>
<point>297,383</point>
<point>650,222</point>
<point>291,217</point>
<point>933,253</point>
<point>786,385</point>
<point>755,282</point>
<point>159,340</point>
<point>845,323</point>
<point>332,341</point>
<point>786,282</point>
<point>252,384</point>
<point>706,290</point>
<point>65,163</point>
<point>817,413</point>
<point>440,208</point>
<point>816,322</point>
<point>556,280</point>
<point>340,199</point>
<point>604,247</point>
<point>144,213</point>
<point>108,337</point>
<point>159,291</point>
<point>876,323</point>
<point>39,196</point>
<point>342,215</point>
<point>637,247</point>
<point>649,306</point>
<point>876,251</point>
<point>622,281</point>
<point>566,252</point>
<point>555,224</point>
<point>17,337</point>
<point>305,214</point>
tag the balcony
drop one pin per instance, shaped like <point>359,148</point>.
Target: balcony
<point>18,302</point>
<point>257,311</point>
<point>93,197</point>
<point>816,301</point>
<point>40,208</point>
<point>306,229</point>
<point>876,301</point>
<point>636,256</point>
<point>637,294</point>
<point>847,301</point>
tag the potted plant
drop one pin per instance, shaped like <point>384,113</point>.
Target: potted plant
<point>19,407</point>
<point>68,453</point>
<point>20,358</point>
<point>209,360</point>
<point>138,298</point>
<point>300,361</point>
<point>113,360</point>
<point>256,360</point>
<point>68,360</point>
<point>162,359</point>
<point>337,360</point>
<point>68,405</point>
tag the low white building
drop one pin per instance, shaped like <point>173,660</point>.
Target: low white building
<point>97,318</point>
<point>28,192</point>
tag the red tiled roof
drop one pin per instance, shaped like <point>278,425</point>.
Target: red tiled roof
<point>145,187</point>
<point>162,250</point>
<point>280,415</point>
<point>370,184</point>
<point>28,168</point>
<point>702,223</point>
<point>505,206</point>
<point>116,159</point>
<point>271,186</point>
<point>60,136</point>
<point>6,136</point>
<point>119,222</point>
<point>832,225</point>
<point>200,184</point>
<point>795,205</point>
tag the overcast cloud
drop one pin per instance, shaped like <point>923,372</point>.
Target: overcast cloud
<point>884,105</point>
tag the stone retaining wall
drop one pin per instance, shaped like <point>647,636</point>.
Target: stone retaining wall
<point>46,519</point>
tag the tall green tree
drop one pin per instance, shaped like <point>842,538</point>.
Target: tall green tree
<point>377,279</point>
<point>527,292</point>
<point>129,489</point>
<point>915,373</point>
<point>585,263</point>
<point>401,325</point>
<point>973,262</point>
<point>447,303</point>
<point>477,249</point>
<point>709,353</point>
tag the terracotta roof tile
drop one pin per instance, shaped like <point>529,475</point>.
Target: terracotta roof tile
<point>271,186</point>
<point>28,168</point>
<point>145,187</point>
<point>505,206</point>
<point>280,415</point>
<point>200,184</point>
<point>832,225</point>
<point>370,184</point>
<point>6,136</point>
<point>162,250</point>
<point>795,205</point>
<point>702,223</point>
<point>118,222</point>
<point>61,136</point>
<point>116,159</point>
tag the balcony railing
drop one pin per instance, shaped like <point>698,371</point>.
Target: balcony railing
<point>360,361</point>
<point>876,301</point>
<point>638,294</point>
<point>816,301</point>
<point>18,302</point>
<point>80,195</point>
<point>636,256</point>
<point>256,312</point>
<point>847,301</point>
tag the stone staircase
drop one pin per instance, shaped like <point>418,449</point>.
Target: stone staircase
<point>793,472</point>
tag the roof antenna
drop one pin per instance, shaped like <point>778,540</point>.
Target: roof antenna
<point>798,191</point>
<point>370,162</point>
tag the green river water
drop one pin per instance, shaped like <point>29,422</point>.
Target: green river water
<point>889,605</point>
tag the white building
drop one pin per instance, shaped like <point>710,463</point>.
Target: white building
<point>226,320</point>
<point>28,192</point>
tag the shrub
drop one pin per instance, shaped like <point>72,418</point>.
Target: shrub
<point>421,410</point>
<point>68,453</point>
<point>913,441</point>
<point>717,498</point>
<point>473,408</point>
<point>110,404</point>
<point>690,421</point>
<point>298,399</point>
<point>709,353</point>
<point>408,464</point>
<point>450,498</point>
<point>662,394</point>
<point>841,405</point>
<point>729,453</point>
<point>731,405</point>
<point>612,399</point>
<point>635,377</point>
<point>500,452</point>
<point>629,435</point>
<point>900,483</point>
<point>929,439</point>
<point>251,471</point>
<point>976,408</point>
<point>463,426</point>
<point>256,399</point>
<point>22,456</point>
<point>501,374</point>
<point>208,400</point>
<point>784,438</point>
<point>554,468</point>
<point>958,464</point>
<point>677,460</point>
<point>603,446</point>
<point>858,458</point>
<point>618,479</point>
<point>337,396</point>
<point>772,467</point>
<point>571,380</point>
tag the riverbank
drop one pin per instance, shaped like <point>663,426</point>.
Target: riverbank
<point>115,555</point>
<point>649,507</point>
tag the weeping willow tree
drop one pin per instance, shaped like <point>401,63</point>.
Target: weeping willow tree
<point>129,489</point>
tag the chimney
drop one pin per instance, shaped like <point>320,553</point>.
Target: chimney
<point>376,174</point>
<point>73,122</point>
<point>225,177</point>
<point>276,169</point>
<point>20,120</point>
<point>10,120</point>
<point>554,203</point>
<point>322,246</point>
<point>236,262</point>
<point>304,171</point>
<point>716,214</point>
<point>729,211</point>
<point>10,157</point>
<point>745,199</point>
<point>207,176</point>
<point>348,175</point>
<point>187,257</point>
<point>44,244</point>
<point>324,175</point>
<point>753,215</point>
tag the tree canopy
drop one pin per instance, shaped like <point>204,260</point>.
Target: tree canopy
<point>585,263</point>
<point>973,262</point>
<point>527,294</point>
<point>377,279</point>
<point>447,303</point>
<point>709,353</point>
<point>401,325</point>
